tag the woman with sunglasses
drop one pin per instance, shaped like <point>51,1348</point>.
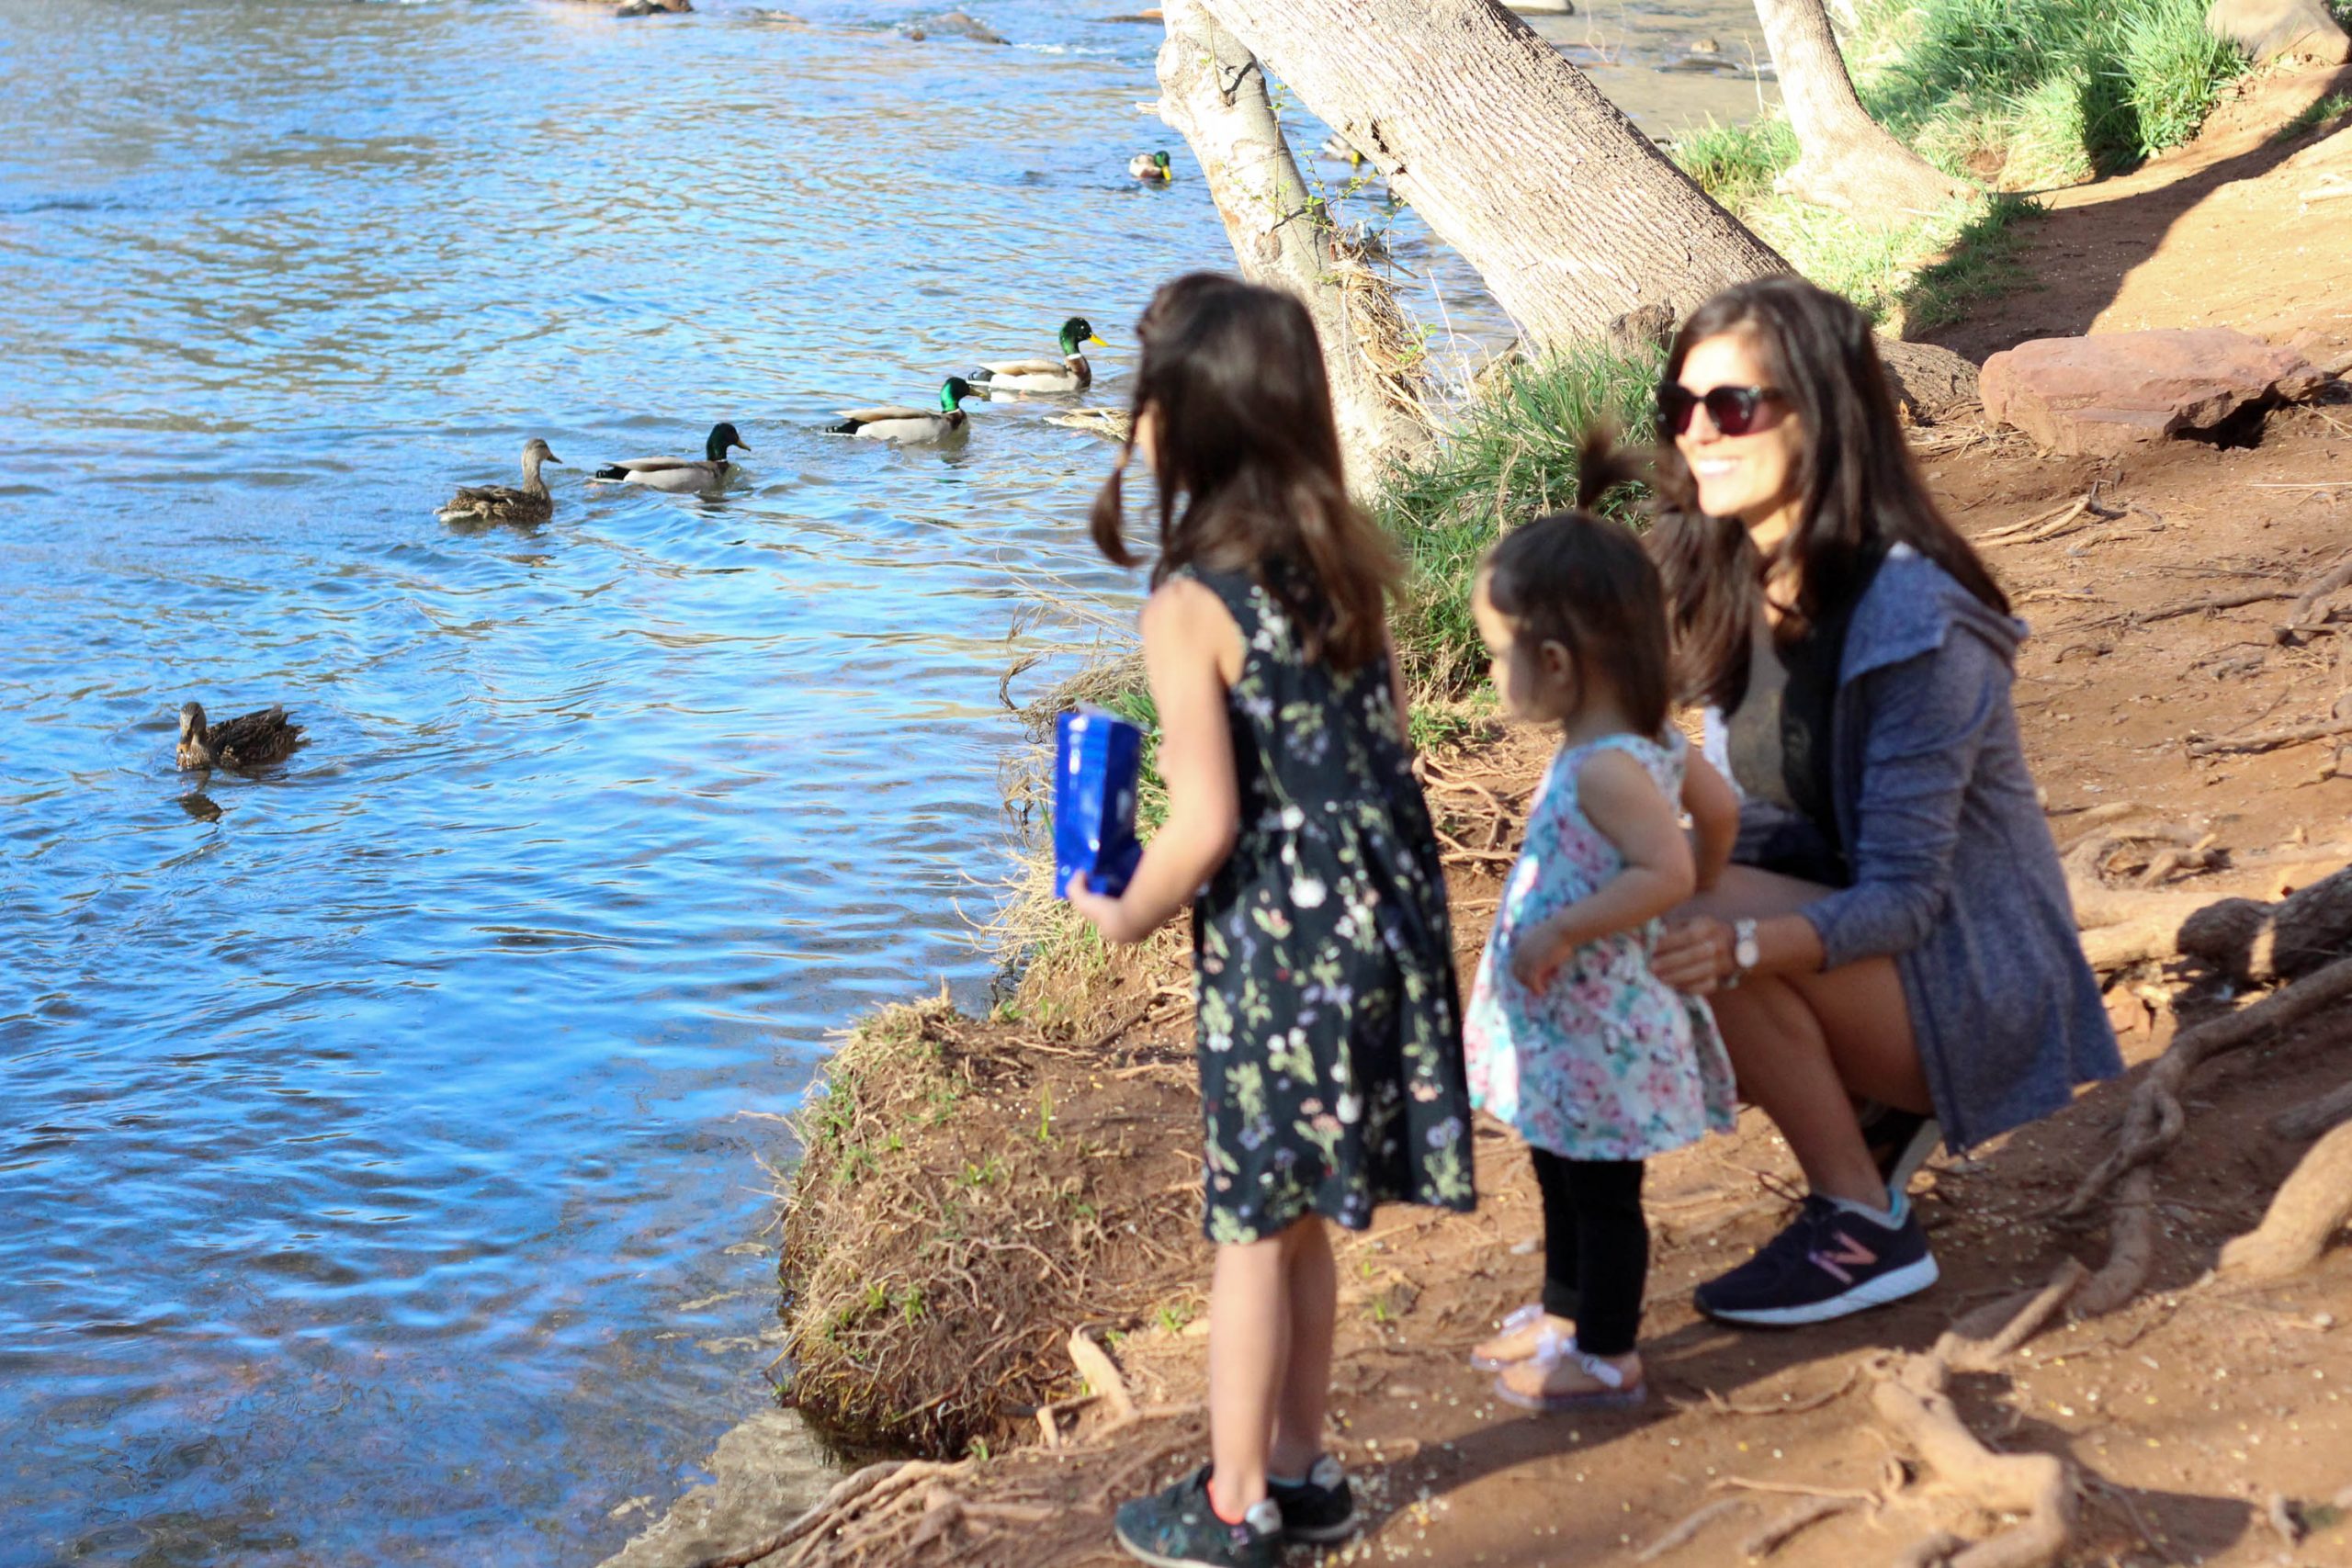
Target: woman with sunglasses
<point>1892,957</point>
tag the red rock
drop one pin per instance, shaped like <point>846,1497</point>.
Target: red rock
<point>2098,395</point>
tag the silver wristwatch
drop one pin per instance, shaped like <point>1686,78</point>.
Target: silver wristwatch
<point>1744,951</point>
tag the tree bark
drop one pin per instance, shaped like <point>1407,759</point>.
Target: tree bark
<point>1213,92</point>
<point>1846,160</point>
<point>1510,153</point>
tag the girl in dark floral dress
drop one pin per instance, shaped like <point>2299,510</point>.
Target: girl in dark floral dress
<point>1329,1030</point>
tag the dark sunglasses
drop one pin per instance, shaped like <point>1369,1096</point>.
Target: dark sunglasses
<point>1734,409</point>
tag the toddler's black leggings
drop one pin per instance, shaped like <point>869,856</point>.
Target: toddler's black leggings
<point>1596,1248</point>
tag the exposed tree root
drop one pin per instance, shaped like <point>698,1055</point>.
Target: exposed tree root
<point>2311,1205</point>
<point>2310,1121</point>
<point>1693,1523</point>
<point>2039,1487</point>
<point>2131,1249</point>
<point>2154,1120</point>
<point>1910,1399</point>
<point>1774,1536</point>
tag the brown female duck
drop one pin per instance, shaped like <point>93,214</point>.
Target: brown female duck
<point>248,741</point>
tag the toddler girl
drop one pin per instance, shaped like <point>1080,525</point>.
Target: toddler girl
<point>1329,1036</point>
<point>1572,1040</point>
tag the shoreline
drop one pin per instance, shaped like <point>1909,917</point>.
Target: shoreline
<point>990,1145</point>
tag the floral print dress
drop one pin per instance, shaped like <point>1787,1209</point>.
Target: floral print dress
<point>1329,1020</point>
<point>1607,1063</point>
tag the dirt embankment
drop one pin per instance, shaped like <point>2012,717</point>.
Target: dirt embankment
<point>995,1248</point>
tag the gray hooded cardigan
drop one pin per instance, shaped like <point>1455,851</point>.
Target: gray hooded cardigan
<point>1955,876</point>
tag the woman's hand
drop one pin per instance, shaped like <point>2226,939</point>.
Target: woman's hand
<point>1110,915</point>
<point>1694,954</point>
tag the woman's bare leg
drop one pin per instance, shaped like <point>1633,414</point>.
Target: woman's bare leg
<point>1805,1045</point>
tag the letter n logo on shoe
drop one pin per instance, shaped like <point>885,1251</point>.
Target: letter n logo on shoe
<point>1848,1251</point>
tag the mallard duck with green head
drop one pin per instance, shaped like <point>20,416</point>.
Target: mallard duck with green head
<point>682,476</point>
<point>1070,373</point>
<point>909,426</point>
<point>249,740</point>
<point>1151,166</point>
<point>505,504</point>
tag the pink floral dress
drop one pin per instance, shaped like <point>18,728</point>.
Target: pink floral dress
<point>1609,1062</point>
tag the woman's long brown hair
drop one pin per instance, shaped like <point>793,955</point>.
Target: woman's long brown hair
<point>1248,461</point>
<point>1861,491</point>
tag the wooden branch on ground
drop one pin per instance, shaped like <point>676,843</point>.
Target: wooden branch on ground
<point>2270,739</point>
<point>2332,580</point>
<point>2042,525</point>
<point>2311,1205</point>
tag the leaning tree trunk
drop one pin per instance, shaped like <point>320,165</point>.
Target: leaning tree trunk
<point>1575,220</point>
<point>1846,159</point>
<point>1213,91</point>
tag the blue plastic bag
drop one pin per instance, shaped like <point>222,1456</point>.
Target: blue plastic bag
<point>1098,757</point>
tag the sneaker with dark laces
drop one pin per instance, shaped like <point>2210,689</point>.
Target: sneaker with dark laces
<point>1320,1509</point>
<point>1177,1529</point>
<point>1900,1143</point>
<point>1829,1262</point>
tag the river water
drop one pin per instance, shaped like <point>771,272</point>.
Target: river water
<point>385,1162</point>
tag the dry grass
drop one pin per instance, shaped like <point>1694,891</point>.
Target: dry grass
<point>970,1192</point>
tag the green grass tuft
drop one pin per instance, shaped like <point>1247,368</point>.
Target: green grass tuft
<point>2314,115</point>
<point>2030,93</point>
<point>1511,456</point>
<point>1737,163</point>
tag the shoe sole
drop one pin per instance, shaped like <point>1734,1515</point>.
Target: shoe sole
<point>1562,1404</point>
<point>1892,1286</point>
<point>1913,1155</point>
<point>1143,1554</point>
<point>1324,1535</point>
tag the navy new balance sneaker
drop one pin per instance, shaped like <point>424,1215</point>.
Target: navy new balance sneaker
<point>1177,1529</point>
<point>1830,1262</point>
<point>1320,1509</point>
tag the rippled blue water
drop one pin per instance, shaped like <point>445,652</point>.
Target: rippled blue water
<point>381,1170</point>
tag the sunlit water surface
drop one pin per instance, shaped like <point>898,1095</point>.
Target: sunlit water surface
<point>383,1171</point>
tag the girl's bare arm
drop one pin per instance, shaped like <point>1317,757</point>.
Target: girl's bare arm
<point>1625,805</point>
<point>1713,806</point>
<point>1184,628</point>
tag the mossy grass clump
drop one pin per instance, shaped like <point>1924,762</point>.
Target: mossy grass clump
<point>958,1209</point>
<point>1511,455</point>
<point>2033,92</point>
<point>2322,112</point>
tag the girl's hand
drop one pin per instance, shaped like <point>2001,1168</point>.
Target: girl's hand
<point>1537,955</point>
<point>1109,916</point>
<point>1694,954</point>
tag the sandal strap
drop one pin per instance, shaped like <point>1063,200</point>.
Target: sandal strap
<point>1521,1318</point>
<point>1552,1347</point>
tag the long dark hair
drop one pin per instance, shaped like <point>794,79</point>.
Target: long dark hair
<point>1248,460</point>
<point>1862,492</point>
<point>1585,582</point>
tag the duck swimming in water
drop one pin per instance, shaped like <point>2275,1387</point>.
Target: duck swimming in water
<point>682,476</point>
<point>504,503</point>
<point>909,426</point>
<point>1151,166</point>
<point>248,741</point>
<point>1070,373</point>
